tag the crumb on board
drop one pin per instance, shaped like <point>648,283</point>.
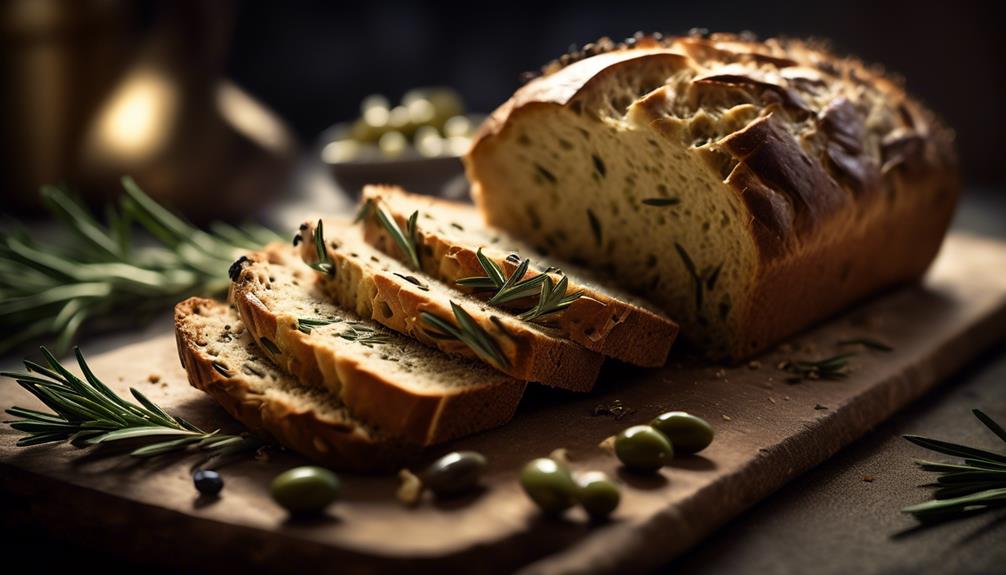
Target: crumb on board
<point>772,400</point>
<point>868,478</point>
<point>720,373</point>
<point>153,378</point>
<point>820,407</point>
<point>726,417</point>
<point>785,398</point>
<point>754,364</point>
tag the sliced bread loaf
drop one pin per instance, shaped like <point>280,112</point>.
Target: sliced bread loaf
<point>388,380</point>
<point>361,278</point>
<point>449,237</point>
<point>748,188</point>
<point>221,358</point>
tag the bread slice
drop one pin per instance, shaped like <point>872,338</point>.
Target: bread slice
<point>221,358</point>
<point>450,234</point>
<point>376,286</point>
<point>386,379</point>
<point>748,188</point>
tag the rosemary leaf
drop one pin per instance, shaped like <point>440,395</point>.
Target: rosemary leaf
<point>53,290</point>
<point>989,423</point>
<point>86,412</point>
<point>470,333</point>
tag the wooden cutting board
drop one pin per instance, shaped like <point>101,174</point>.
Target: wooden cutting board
<point>768,432</point>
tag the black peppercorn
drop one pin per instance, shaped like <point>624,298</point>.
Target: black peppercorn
<point>207,481</point>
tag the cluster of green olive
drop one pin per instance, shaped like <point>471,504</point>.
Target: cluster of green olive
<point>554,488</point>
<point>428,121</point>
<point>647,448</point>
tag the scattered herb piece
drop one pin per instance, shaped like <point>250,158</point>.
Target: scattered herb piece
<point>867,343</point>
<point>834,367</point>
<point>414,281</point>
<point>364,335</point>
<point>324,264</point>
<point>661,201</point>
<point>974,486</point>
<point>88,412</point>
<point>615,409</point>
<point>468,332</point>
<point>602,170</point>
<point>545,173</point>
<point>305,324</point>
<point>595,225</point>
<point>269,345</point>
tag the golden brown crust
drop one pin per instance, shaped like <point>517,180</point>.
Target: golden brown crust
<point>423,416</point>
<point>849,183</point>
<point>338,444</point>
<point>599,322</point>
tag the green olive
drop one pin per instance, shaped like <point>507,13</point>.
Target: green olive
<point>305,489</point>
<point>454,473</point>
<point>687,433</point>
<point>643,448</point>
<point>549,484</point>
<point>597,494</point>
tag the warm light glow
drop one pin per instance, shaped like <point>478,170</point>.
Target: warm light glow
<point>250,118</point>
<point>135,121</point>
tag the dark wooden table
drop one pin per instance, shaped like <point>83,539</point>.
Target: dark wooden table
<point>840,518</point>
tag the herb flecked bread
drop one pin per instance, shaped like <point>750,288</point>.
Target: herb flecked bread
<point>749,188</point>
<point>222,360</point>
<point>390,381</point>
<point>376,286</point>
<point>449,236</point>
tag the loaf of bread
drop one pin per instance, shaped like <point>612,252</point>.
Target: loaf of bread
<point>360,278</point>
<point>221,358</point>
<point>386,379</point>
<point>449,236</point>
<point>749,188</point>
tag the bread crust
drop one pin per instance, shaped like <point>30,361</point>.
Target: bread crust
<point>419,416</point>
<point>390,299</point>
<point>338,444</point>
<point>841,201</point>
<point>600,322</point>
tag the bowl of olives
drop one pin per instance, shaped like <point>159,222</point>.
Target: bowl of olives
<point>416,144</point>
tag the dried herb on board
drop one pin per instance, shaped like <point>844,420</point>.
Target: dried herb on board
<point>615,409</point>
<point>834,367</point>
<point>976,485</point>
<point>87,412</point>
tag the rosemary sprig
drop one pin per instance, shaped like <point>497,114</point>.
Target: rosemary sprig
<point>406,240</point>
<point>469,332</point>
<point>324,264</point>
<point>867,343</point>
<point>52,290</point>
<point>88,412</point>
<point>552,297</point>
<point>834,367</point>
<point>508,289</point>
<point>974,486</point>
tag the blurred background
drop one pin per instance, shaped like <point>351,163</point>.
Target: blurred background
<point>225,100</point>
